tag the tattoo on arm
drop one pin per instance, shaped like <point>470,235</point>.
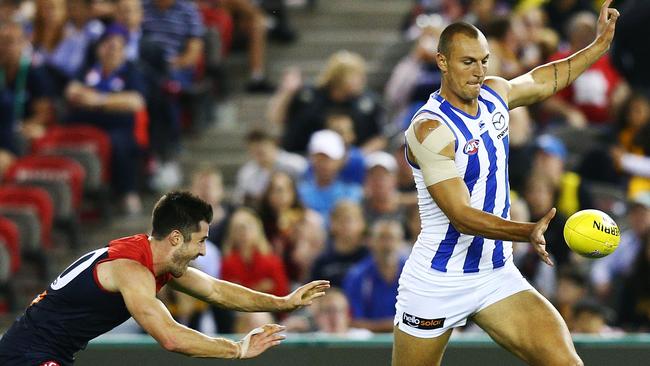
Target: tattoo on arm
<point>555,77</point>
<point>568,78</point>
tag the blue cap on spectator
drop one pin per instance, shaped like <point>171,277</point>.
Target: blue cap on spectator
<point>551,145</point>
<point>114,30</point>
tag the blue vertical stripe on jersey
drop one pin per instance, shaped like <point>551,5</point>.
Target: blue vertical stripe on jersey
<point>446,247</point>
<point>496,95</point>
<point>498,259</point>
<point>473,169</point>
<point>475,249</point>
<point>490,106</point>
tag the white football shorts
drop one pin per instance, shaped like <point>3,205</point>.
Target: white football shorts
<point>429,304</point>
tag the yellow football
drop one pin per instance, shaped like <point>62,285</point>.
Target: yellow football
<point>591,233</point>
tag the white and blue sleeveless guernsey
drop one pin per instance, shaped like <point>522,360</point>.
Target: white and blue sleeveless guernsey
<point>482,162</point>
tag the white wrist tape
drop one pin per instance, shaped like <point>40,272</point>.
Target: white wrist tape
<point>246,341</point>
<point>435,167</point>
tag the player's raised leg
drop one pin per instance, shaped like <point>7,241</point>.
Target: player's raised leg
<point>413,351</point>
<point>529,326</point>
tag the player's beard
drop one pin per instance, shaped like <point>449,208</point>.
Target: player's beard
<point>180,262</point>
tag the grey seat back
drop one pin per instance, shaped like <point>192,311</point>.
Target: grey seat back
<point>28,224</point>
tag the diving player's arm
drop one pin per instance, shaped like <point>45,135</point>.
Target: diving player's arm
<point>545,80</point>
<point>138,288</point>
<point>235,297</point>
<point>432,145</point>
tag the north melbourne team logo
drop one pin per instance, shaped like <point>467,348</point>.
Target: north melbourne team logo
<point>471,147</point>
<point>498,121</point>
<point>421,323</point>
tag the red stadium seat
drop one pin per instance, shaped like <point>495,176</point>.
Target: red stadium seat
<point>79,136</point>
<point>37,198</point>
<point>49,168</point>
<point>9,232</point>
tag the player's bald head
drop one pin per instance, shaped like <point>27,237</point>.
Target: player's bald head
<point>447,36</point>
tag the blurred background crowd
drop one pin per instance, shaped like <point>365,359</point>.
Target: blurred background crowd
<point>105,104</point>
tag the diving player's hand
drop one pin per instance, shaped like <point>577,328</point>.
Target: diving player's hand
<point>537,236</point>
<point>305,294</point>
<point>259,340</point>
<point>606,24</point>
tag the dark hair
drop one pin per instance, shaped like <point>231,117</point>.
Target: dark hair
<point>448,34</point>
<point>498,27</point>
<point>259,135</point>
<point>590,306</point>
<point>267,214</point>
<point>180,211</point>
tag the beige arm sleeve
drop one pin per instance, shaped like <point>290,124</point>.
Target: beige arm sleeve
<point>435,167</point>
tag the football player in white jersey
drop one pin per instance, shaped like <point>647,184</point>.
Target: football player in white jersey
<point>461,265</point>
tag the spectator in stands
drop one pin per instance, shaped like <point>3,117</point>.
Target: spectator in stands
<point>309,240</point>
<point>521,147</point>
<point>413,225</point>
<point>631,154</point>
<point>381,197</point>
<point>332,316</point>
<point>129,14</point>
<point>405,182</point>
<point>62,36</point>
<point>571,192</point>
<point>413,80</point>
<point>634,309</point>
<point>175,27</point>
<point>248,258</point>
<point>12,11</point>
<point>251,21</point>
<point>346,245</point>
<point>541,276</point>
<point>572,287</point>
<point>253,176</point>
<point>590,317</point>
<point>480,13</point>
<point>353,170</point>
<point>560,12</point>
<point>607,273</point>
<point>25,95</point>
<point>539,194</point>
<point>207,184</point>
<point>504,47</point>
<point>281,211</point>
<point>324,189</point>
<point>371,285</point>
<point>108,95</point>
<point>245,322</point>
<point>592,97</point>
<point>301,110</point>
<point>538,41</point>
<point>633,31</point>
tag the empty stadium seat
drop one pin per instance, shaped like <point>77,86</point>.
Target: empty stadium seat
<point>5,262</point>
<point>49,168</point>
<point>11,237</point>
<point>80,137</point>
<point>28,224</point>
<point>35,197</point>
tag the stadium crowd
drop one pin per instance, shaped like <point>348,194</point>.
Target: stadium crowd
<point>101,90</point>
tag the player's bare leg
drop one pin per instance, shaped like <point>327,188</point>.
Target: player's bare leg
<point>413,351</point>
<point>528,325</point>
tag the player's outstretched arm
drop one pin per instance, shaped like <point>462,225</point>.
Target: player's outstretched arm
<point>138,288</point>
<point>545,80</point>
<point>235,297</point>
<point>449,191</point>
